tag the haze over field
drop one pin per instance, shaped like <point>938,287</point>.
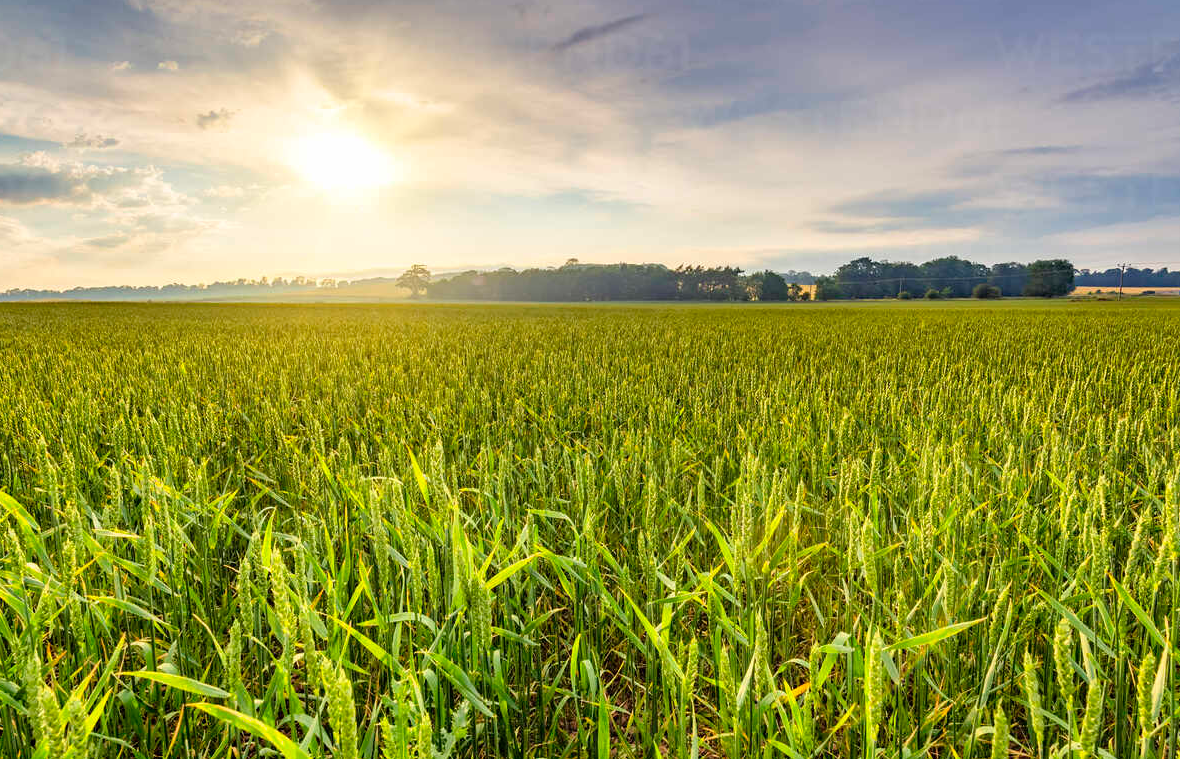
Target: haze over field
<point>153,141</point>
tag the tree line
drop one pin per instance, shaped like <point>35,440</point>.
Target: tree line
<point>590,282</point>
<point>1131,277</point>
<point>238,288</point>
<point>948,277</point>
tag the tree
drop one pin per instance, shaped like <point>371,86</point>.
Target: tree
<point>1010,277</point>
<point>1049,278</point>
<point>771,286</point>
<point>415,279</point>
<point>984,291</point>
<point>863,278</point>
<point>953,276</point>
<point>827,288</point>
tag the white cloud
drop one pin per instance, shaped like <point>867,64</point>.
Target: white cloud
<point>83,141</point>
<point>146,216</point>
<point>115,240</point>
<point>13,232</point>
<point>42,178</point>
<point>168,66</point>
<point>121,66</point>
<point>225,191</point>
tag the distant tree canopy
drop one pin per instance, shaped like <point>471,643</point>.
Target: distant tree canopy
<point>244,289</point>
<point>590,282</point>
<point>1011,278</point>
<point>949,277</point>
<point>766,285</point>
<point>772,286</point>
<point>1049,278</point>
<point>1132,277</point>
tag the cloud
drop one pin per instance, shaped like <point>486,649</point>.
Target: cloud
<point>1041,150</point>
<point>225,192</point>
<point>40,178</point>
<point>143,213</point>
<point>1159,231</point>
<point>219,119</point>
<point>1153,79</point>
<point>726,129</point>
<point>251,35</point>
<point>1015,161</point>
<point>1031,206</point>
<point>13,232</point>
<point>109,241</point>
<point>588,33</point>
<point>83,141</point>
<point>22,184</point>
<point>901,209</point>
<point>168,223</point>
<point>231,198</point>
<point>1012,199</point>
<point>168,66</point>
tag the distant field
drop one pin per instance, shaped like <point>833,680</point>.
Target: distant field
<point>1126,290</point>
<point>442,530</point>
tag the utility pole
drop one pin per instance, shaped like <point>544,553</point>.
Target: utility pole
<point>1122,270</point>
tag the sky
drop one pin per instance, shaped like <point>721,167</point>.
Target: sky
<point>158,141</point>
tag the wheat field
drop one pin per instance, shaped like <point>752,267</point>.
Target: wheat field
<point>395,532</point>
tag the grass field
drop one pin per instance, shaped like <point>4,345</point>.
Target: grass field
<point>903,529</point>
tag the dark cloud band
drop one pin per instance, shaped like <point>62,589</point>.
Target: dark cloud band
<point>589,33</point>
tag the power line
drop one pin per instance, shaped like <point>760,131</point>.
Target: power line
<point>1136,263</point>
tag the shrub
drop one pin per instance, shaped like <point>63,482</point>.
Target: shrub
<point>905,295</point>
<point>984,291</point>
<point>933,294</point>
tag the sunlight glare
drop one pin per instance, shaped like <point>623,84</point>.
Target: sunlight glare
<point>341,161</point>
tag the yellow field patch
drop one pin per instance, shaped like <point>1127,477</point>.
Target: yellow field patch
<point>1087,290</point>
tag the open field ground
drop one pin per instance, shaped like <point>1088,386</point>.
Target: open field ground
<point>1126,291</point>
<point>892,529</point>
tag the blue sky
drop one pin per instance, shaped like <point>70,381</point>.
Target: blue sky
<point>152,141</point>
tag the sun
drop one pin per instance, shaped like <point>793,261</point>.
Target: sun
<point>341,161</point>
